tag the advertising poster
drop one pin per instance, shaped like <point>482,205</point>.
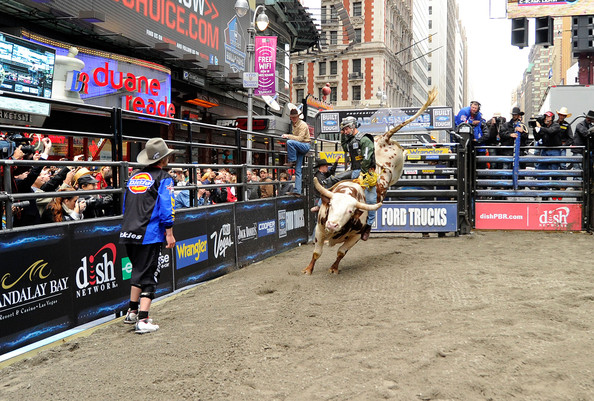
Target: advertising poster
<point>100,270</point>
<point>266,65</point>
<point>426,217</point>
<point>292,227</point>
<point>256,231</point>
<point>548,8</point>
<point>209,29</point>
<point>528,216</point>
<point>35,287</point>
<point>205,244</point>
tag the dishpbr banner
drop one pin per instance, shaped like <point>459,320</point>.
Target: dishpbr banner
<point>528,216</point>
<point>266,65</point>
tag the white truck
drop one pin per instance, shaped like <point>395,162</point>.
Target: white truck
<point>577,98</point>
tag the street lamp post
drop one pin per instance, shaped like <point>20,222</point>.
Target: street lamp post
<point>261,21</point>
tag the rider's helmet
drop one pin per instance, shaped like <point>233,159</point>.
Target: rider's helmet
<point>348,122</point>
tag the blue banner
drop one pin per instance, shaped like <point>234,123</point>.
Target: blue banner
<point>426,217</point>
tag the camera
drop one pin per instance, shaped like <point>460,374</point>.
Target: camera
<point>10,142</point>
<point>532,122</point>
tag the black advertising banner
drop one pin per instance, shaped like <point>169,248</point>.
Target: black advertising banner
<point>35,286</point>
<point>256,231</point>
<point>292,229</point>
<point>205,244</point>
<point>100,270</point>
<point>209,29</point>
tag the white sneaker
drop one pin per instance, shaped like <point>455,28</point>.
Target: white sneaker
<point>146,326</point>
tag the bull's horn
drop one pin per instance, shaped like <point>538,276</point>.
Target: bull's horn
<point>430,99</point>
<point>365,206</point>
<point>323,191</point>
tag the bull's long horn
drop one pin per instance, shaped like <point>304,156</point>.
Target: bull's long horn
<point>365,206</point>
<point>430,99</point>
<point>324,191</point>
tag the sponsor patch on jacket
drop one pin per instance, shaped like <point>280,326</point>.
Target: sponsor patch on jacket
<point>139,183</point>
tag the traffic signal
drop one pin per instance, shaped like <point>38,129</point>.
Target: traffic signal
<point>582,29</point>
<point>519,35</point>
<point>543,34</point>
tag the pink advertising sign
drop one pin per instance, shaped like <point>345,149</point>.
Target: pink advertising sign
<point>528,216</point>
<point>266,65</point>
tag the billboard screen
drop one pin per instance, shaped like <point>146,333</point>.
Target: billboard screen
<point>26,67</point>
<point>548,8</point>
<point>209,29</point>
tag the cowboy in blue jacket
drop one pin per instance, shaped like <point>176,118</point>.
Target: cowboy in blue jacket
<point>472,116</point>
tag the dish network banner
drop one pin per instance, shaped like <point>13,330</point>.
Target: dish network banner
<point>528,216</point>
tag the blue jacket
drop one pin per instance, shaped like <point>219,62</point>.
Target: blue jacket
<point>148,207</point>
<point>464,116</point>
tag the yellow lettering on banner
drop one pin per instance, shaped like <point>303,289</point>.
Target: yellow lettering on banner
<point>428,151</point>
<point>413,157</point>
<point>331,157</point>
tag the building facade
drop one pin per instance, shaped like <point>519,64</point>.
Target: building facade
<point>365,52</point>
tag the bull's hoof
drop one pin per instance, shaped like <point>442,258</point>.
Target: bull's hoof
<point>333,270</point>
<point>307,271</point>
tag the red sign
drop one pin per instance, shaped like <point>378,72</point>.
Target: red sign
<point>528,216</point>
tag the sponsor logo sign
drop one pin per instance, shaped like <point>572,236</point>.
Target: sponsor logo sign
<point>222,240</point>
<point>246,233</point>
<point>330,122</point>
<point>266,228</point>
<point>96,273</point>
<point>191,251</point>
<point>528,216</point>
<point>431,217</point>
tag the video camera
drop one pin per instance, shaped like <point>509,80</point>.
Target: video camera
<point>11,141</point>
<point>540,118</point>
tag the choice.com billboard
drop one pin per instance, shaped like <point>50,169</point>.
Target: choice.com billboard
<point>208,28</point>
<point>548,8</point>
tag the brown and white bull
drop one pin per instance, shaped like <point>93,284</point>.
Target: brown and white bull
<point>343,213</point>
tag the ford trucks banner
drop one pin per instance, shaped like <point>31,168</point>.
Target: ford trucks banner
<point>548,8</point>
<point>528,216</point>
<point>424,218</point>
<point>209,29</point>
<point>380,120</point>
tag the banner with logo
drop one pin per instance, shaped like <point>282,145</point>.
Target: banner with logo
<point>528,216</point>
<point>265,65</point>
<point>548,8</point>
<point>205,244</point>
<point>292,227</point>
<point>423,218</point>
<point>35,286</point>
<point>256,230</point>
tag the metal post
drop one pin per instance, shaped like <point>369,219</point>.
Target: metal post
<point>250,100</point>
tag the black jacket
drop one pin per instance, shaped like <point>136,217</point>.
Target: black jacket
<point>550,136</point>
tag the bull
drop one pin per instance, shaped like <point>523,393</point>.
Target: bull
<point>344,212</point>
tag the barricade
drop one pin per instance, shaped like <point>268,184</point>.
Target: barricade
<point>58,276</point>
<point>528,196</point>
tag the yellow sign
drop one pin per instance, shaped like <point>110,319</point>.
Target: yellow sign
<point>331,157</point>
<point>428,151</point>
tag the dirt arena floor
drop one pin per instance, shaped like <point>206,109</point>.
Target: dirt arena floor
<point>488,316</point>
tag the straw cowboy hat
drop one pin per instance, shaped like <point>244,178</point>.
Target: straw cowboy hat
<point>155,150</point>
<point>563,110</point>
<point>81,172</point>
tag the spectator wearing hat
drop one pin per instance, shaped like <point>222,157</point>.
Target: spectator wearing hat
<point>550,135</point>
<point>323,173</point>
<point>97,205</point>
<point>148,223</point>
<point>584,133</point>
<point>298,144</point>
<point>513,129</point>
<point>566,134</point>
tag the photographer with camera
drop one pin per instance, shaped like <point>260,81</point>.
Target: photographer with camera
<point>493,127</point>
<point>549,133</point>
<point>96,205</point>
<point>513,129</point>
<point>584,133</point>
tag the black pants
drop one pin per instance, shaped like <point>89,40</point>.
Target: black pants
<point>145,264</point>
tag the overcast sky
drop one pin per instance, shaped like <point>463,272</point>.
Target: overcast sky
<point>495,66</point>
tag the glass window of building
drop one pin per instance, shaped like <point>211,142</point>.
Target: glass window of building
<point>357,92</point>
<point>299,95</point>
<point>357,9</point>
<point>333,37</point>
<point>300,69</point>
<point>334,94</point>
<point>323,15</point>
<point>322,68</point>
<point>333,67</point>
<point>358,35</point>
<point>333,14</point>
<point>357,65</point>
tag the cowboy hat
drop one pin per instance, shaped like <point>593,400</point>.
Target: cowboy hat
<point>516,110</point>
<point>563,110</point>
<point>590,114</point>
<point>81,172</point>
<point>155,150</point>
<point>322,162</point>
<point>294,112</point>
